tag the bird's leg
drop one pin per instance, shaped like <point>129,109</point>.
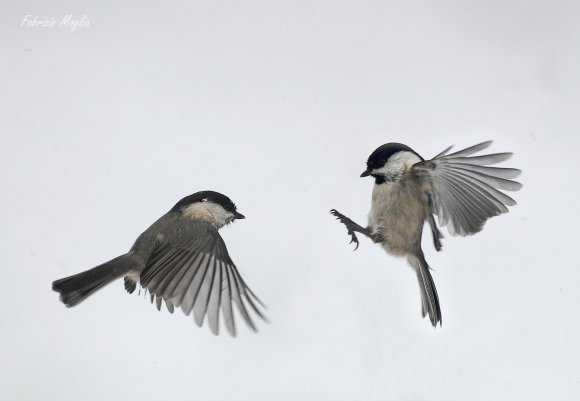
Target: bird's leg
<point>437,235</point>
<point>353,227</point>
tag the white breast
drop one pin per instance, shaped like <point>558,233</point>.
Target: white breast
<point>382,196</point>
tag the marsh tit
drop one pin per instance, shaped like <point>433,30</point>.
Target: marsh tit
<point>461,189</point>
<point>181,260</point>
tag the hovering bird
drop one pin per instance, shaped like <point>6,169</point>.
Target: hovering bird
<point>459,188</point>
<point>182,260</point>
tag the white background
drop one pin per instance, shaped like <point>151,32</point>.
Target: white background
<point>277,105</point>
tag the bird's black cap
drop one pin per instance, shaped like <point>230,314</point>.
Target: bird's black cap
<point>208,196</point>
<point>381,155</point>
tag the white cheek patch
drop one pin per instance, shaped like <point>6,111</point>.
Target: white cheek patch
<point>198,211</point>
<point>398,163</point>
<point>208,211</point>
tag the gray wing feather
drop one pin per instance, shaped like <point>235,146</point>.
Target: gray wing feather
<point>192,290</point>
<point>213,306</point>
<point>226,300</point>
<point>250,296</point>
<point>495,182</point>
<point>467,151</point>
<point>184,281</point>
<point>237,297</point>
<point>500,172</point>
<point>205,287</point>
<point>444,152</point>
<point>479,160</point>
<point>178,279</point>
<point>464,190</point>
<point>488,190</point>
<point>169,269</point>
<point>193,271</point>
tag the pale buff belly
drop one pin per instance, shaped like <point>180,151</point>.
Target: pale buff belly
<point>398,213</point>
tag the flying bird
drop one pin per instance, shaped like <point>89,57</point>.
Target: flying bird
<point>459,188</point>
<point>180,259</point>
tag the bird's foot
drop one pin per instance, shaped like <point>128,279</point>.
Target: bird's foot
<point>351,226</point>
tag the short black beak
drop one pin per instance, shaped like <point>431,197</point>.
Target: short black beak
<point>239,216</point>
<point>365,173</point>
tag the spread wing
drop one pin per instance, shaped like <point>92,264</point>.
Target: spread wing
<point>194,272</point>
<point>464,190</point>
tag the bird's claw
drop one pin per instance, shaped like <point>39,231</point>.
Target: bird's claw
<point>353,239</point>
<point>345,220</point>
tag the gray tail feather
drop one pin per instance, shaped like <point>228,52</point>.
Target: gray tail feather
<point>429,297</point>
<point>75,289</point>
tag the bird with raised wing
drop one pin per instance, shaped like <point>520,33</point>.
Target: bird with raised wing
<point>460,188</point>
<point>181,260</point>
